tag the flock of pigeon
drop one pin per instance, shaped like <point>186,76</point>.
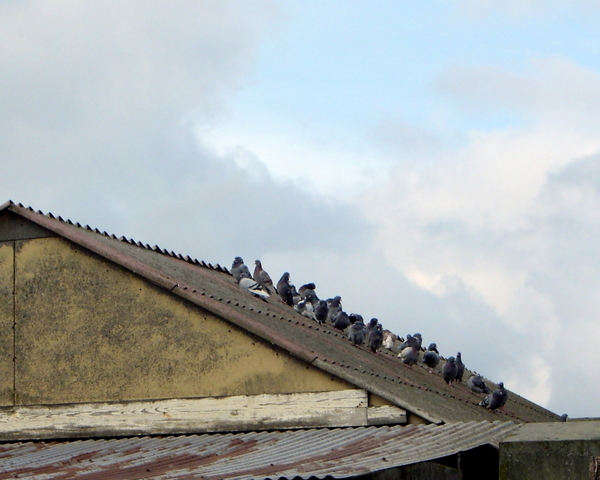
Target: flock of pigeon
<point>306,302</point>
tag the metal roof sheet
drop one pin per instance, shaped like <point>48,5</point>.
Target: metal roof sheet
<point>337,453</point>
<point>213,288</point>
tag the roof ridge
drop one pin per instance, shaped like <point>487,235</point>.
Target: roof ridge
<point>122,238</point>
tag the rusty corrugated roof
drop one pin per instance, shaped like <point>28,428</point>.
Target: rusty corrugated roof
<point>213,288</point>
<point>337,453</point>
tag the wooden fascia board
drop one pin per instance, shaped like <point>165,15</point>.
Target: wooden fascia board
<point>342,408</point>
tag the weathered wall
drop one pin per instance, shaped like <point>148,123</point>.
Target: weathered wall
<point>6,323</point>
<point>89,331</point>
<point>560,451</point>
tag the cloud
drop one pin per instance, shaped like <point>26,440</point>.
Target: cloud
<point>552,91</point>
<point>504,225</point>
<point>108,102</point>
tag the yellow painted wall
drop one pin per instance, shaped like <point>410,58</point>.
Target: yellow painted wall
<point>6,323</point>
<point>89,331</point>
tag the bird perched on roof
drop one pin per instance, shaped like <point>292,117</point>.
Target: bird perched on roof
<point>375,338</point>
<point>496,399</point>
<point>305,308</point>
<point>321,311</point>
<point>418,339</point>
<point>239,270</point>
<point>341,321</point>
<point>449,370</point>
<point>253,288</point>
<point>431,358</point>
<point>356,332</point>
<point>411,341</point>
<point>389,339</point>
<point>477,385</point>
<point>354,317</point>
<point>263,278</point>
<point>371,325</point>
<point>460,368</point>
<point>334,306</point>
<point>307,289</point>
<point>285,290</point>
<point>409,355</point>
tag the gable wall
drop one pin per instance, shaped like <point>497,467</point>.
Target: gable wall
<point>89,331</point>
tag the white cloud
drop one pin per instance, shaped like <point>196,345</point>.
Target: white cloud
<point>508,220</point>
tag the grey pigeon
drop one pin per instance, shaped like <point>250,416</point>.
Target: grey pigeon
<point>354,317</point>
<point>460,368</point>
<point>409,355</point>
<point>285,290</point>
<point>321,311</point>
<point>496,399</point>
<point>431,358</point>
<point>404,343</point>
<point>411,341</point>
<point>342,321</point>
<point>449,370</point>
<point>356,332</point>
<point>262,277</point>
<point>307,289</point>
<point>375,338</point>
<point>334,306</point>
<point>239,270</point>
<point>477,385</point>
<point>253,288</point>
<point>371,325</point>
<point>418,339</point>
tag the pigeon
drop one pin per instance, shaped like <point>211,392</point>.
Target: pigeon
<point>432,356</point>
<point>371,325</point>
<point>418,339</point>
<point>285,289</point>
<point>410,341</point>
<point>355,316</point>
<point>307,289</point>
<point>389,339</point>
<point>375,338</point>
<point>409,355</point>
<point>460,368</point>
<point>404,343</point>
<point>239,270</point>
<point>477,385</point>
<point>262,277</point>
<point>253,288</point>
<point>334,306</point>
<point>356,332</point>
<point>321,311</point>
<point>305,308</point>
<point>496,399</point>
<point>342,321</point>
<point>449,370</point>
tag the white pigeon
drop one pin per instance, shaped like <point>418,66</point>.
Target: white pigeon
<point>252,287</point>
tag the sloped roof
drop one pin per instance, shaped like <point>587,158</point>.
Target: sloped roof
<point>213,289</point>
<point>313,453</point>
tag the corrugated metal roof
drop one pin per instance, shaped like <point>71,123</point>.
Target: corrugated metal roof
<point>213,288</point>
<point>338,453</point>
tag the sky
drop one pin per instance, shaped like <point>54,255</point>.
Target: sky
<point>436,164</point>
